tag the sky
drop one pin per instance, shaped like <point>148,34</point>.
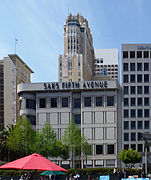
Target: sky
<point>38,26</point>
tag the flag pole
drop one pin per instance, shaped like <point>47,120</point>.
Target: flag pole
<point>16,41</point>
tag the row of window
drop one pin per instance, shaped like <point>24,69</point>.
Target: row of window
<point>133,146</point>
<point>132,136</point>
<point>110,149</point>
<point>139,125</point>
<point>132,78</point>
<point>133,66</point>
<point>132,89</point>
<point>140,101</point>
<point>137,54</point>
<point>139,113</point>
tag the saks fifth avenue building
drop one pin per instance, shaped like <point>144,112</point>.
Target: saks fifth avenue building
<point>95,106</point>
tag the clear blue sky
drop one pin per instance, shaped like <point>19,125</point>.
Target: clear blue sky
<point>38,26</point>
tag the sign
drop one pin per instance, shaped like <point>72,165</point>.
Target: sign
<point>76,85</point>
<point>104,177</point>
<point>144,47</point>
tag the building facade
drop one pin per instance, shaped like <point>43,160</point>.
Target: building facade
<point>136,105</point>
<point>12,72</point>
<point>93,105</point>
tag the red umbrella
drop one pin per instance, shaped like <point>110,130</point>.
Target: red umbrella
<point>32,162</point>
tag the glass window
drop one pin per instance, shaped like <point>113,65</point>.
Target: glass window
<point>126,136</point>
<point>139,136</point>
<point>110,149</point>
<point>139,54</point>
<point>139,102</point>
<point>42,103</point>
<point>133,146</point>
<point>77,103</point>
<point>99,149</point>
<point>140,148</point>
<point>125,78</point>
<point>87,101</point>
<point>125,54</point>
<point>98,101</point>
<point>146,54</point>
<point>125,66</point>
<point>132,54</point>
<point>77,118</point>
<point>139,78</point>
<point>133,101</point>
<point>139,89</point>
<point>132,77</point>
<point>32,119</point>
<point>126,89</point>
<point>132,66</point>
<point>146,113</point>
<point>133,113</point>
<point>126,113</point>
<point>53,102</point>
<point>146,124</point>
<point>146,77</point>
<point>133,124</point>
<point>146,89</point>
<point>146,101</point>
<point>65,102</point>
<point>139,113</point>
<point>140,124</point>
<point>133,136</point>
<point>31,103</point>
<point>126,124</point>
<point>110,100</point>
<point>133,90</point>
<point>126,102</point>
<point>139,66</point>
<point>146,66</point>
<point>126,146</point>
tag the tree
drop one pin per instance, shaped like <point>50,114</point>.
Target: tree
<point>129,156</point>
<point>22,137</point>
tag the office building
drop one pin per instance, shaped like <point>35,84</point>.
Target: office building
<point>93,105</point>
<point>13,71</point>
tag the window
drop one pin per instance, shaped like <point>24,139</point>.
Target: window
<point>133,101</point>
<point>139,78</point>
<point>126,113</point>
<point>60,74</point>
<point>79,74</point>
<point>126,102</point>
<point>146,66</point>
<point>32,119</point>
<point>31,103</point>
<point>125,78</point>
<point>126,124</point>
<point>146,101</point>
<point>139,66</point>
<point>126,136</point>
<point>139,89</point>
<point>126,146</point>
<point>132,66</point>
<point>133,136</point>
<point>77,118</point>
<point>87,101</point>
<point>125,66</point>
<point>139,136</point>
<point>140,148</point>
<point>126,89</point>
<point>53,102</point>
<point>139,113</point>
<point>132,77</point>
<point>133,124</point>
<point>125,54</point>
<point>132,54</point>
<point>99,149</point>
<point>139,54</point>
<point>110,101</point>
<point>133,90</point>
<point>133,113</point>
<point>146,54</point>
<point>78,63</point>
<point>77,103</point>
<point>65,102</point>
<point>98,101</point>
<point>133,146</point>
<point>146,113</point>
<point>146,124</point>
<point>110,149</point>
<point>146,89</point>
<point>139,124</point>
<point>42,103</point>
<point>139,102</point>
<point>146,77</point>
<point>60,64</point>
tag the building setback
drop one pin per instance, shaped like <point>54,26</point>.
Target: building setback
<point>93,105</point>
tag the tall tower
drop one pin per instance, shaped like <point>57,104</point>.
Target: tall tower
<point>76,64</point>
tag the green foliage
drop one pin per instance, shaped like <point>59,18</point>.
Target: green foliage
<point>129,156</point>
<point>22,137</point>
